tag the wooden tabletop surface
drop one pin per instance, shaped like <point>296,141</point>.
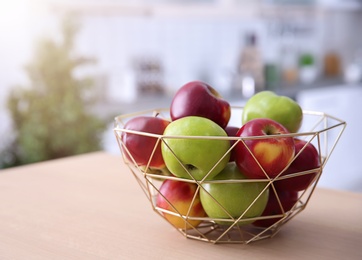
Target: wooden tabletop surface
<point>91,207</point>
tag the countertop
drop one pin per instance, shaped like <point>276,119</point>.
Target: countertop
<point>91,207</point>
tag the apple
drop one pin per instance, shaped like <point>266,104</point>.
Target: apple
<point>144,150</point>
<point>287,201</point>
<point>232,131</point>
<point>228,200</point>
<point>267,104</point>
<point>195,148</point>
<point>262,156</point>
<point>183,199</point>
<point>197,98</point>
<point>306,158</point>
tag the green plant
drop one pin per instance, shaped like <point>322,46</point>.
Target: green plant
<point>51,117</point>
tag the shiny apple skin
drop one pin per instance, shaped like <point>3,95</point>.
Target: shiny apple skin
<point>308,159</point>
<point>197,98</point>
<point>141,147</point>
<point>181,195</point>
<point>273,153</point>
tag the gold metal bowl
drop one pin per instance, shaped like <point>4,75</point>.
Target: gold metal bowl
<point>318,128</point>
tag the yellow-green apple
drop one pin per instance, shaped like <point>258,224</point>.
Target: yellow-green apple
<point>197,98</point>
<point>145,150</point>
<point>231,195</point>
<point>266,149</point>
<point>287,200</point>
<point>267,104</point>
<point>232,131</point>
<point>182,199</point>
<point>306,158</point>
<point>195,148</point>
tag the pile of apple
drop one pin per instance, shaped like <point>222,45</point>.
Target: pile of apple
<point>226,173</point>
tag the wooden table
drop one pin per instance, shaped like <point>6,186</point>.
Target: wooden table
<point>91,207</point>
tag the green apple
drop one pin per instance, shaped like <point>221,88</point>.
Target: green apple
<point>267,104</point>
<point>231,199</point>
<point>195,148</point>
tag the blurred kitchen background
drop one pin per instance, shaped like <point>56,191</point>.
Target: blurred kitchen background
<point>130,55</point>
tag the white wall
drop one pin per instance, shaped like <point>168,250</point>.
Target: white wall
<point>188,48</point>
<point>343,170</point>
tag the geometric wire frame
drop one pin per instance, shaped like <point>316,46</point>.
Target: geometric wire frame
<point>318,128</point>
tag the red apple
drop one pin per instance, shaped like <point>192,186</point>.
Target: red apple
<point>264,156</point>
<point>307,158</point>
<point>232,131</point>
<point>183,199</point>
<point>197,98</point>
<point>144,149</point>
<point>287,201</point>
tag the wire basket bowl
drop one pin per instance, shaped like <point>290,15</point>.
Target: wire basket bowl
<point>318,128</point>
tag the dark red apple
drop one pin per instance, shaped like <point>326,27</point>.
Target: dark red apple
<point>197,98</point>
<point>307,158</point>
<point>232,132</point>
<point>287,201</point>
<point>264,156</point>
<point>144,149</point>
